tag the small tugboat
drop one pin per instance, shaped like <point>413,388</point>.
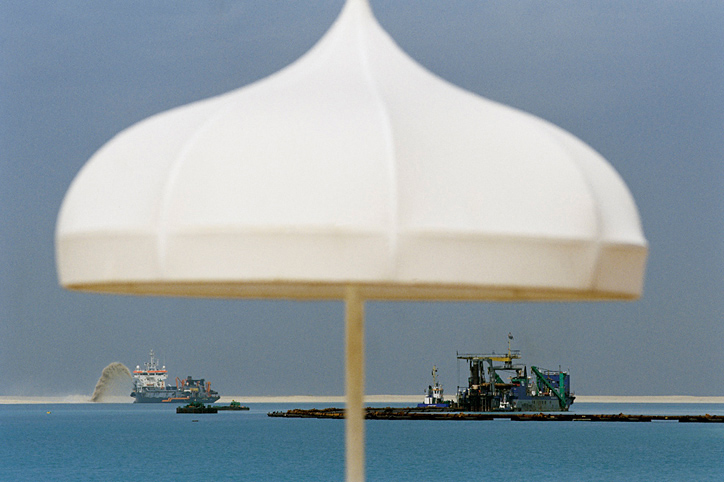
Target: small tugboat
<point>196,407</point>
<point>433,395</point>
<point>233,406</point>
<point>149,386</point>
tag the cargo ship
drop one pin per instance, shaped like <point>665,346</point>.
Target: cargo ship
<point>149,386</point>
<point>516,390</point>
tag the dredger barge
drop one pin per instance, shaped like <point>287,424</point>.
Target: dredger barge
<point>545,396</point>
<point>497,383</point>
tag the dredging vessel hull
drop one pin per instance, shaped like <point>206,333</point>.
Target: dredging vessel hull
<point>170,396</point>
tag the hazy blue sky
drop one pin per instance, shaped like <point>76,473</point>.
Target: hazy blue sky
<point>642,82</point>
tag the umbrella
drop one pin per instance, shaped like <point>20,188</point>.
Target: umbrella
<point>353,174</point>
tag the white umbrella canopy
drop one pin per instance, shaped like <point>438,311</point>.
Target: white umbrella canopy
<point>352,165</point>
<point>354,174</point>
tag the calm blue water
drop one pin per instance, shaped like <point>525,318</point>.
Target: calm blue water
<point>126,442</point>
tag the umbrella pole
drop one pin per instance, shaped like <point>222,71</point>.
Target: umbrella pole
<point>354,385</point>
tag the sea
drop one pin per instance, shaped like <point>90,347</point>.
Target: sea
<point>141,442</point>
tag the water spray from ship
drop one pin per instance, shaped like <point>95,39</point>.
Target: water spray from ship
<point>115,381</point>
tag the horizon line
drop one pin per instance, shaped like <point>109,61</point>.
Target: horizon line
<point>31,399</point>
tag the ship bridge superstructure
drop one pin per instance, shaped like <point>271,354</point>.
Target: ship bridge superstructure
<point>150,375</point>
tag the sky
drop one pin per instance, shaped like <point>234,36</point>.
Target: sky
<point>641,82</point>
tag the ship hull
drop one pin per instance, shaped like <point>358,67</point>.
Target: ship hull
<point>170,396</point>
<point>540,404</point>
